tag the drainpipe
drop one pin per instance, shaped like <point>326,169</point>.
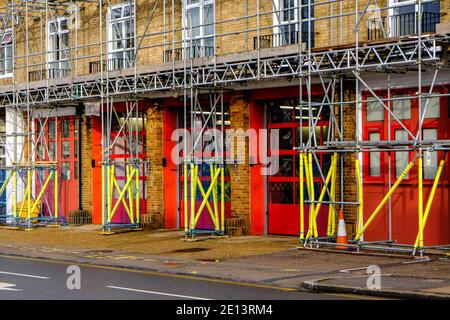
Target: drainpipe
<point>79,112</point>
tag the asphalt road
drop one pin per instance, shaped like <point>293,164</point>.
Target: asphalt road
<point>25,278</point>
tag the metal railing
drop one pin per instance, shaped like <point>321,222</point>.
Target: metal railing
<point>193,52</point>
<point>113,64</point>
<point>281,39</point>
<point>401,25</point>
<point>50,73</point>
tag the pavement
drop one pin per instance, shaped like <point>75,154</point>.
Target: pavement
<point>284,266</point>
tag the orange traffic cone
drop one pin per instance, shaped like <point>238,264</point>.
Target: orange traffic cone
<point>341,239</point>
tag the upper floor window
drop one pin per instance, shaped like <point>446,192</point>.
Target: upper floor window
<point>6,51</point>
<point>120,36</point>
<point>404,17</point>
<point>57,48</point>
<point>199,18</point>
<point>286,22</point>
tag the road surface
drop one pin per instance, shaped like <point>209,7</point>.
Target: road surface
<point>26,278</point>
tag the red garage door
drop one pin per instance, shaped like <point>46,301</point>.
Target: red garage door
<point>283,202</point>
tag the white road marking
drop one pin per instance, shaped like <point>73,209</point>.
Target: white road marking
<point>7,287</point>
<point>158,293</point>
<point>24,275</point>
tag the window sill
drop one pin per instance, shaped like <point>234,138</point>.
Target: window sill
<point>6,76</point>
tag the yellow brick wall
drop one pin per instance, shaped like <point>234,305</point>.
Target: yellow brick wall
<point>328,32</point>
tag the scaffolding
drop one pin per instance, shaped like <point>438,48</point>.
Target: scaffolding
<point>196,65</point>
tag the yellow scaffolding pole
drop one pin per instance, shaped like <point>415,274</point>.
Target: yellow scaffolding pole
<point>302,200</point>
<point>308,188</point>
<point>121,195</point>
<point>42,191</point>
<point>215,199</point>
<point>208,206</point>
<point>206,198</point>
<point>29,179</point>
<point>130,194</point>
<point>420,201</point>
<point>185,192</point>
<point>313,198</point>
<point>385,199</point>
<point>222,198</point>
<point>430,199</point>
<point>360,195</point>
<point>317,208</point>
<point>331,214</point>
<point>193,195</point>
<point>138,196</point>
<point>103,195</point>
<point>112,169</point>
<point>56,196</point>
<point>15,195</point>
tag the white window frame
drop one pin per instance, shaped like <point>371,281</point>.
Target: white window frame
<point>4,46</point>
<point>109,34</point>
<point>202,36</point>
<point>50,60</point>
<point>279,23</point>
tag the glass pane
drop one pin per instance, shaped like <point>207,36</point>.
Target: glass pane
<point>65,149</point>
<point>209,19</point>
<point>375,110</point>
<point>75,170</point>
<point>433,109</point>
<point>286,139</point>
<point>374,159</point>
<point>51,129</point>
<point>430,158</point>
<point>75,148</point>
<point>401,157</point>
<point>286,166</point>
<point>402,108</point>
<point>281,193</point>
<point>52,150</point>
<point>65,171</point>
<point>281,111</point>
<point>65,130</point>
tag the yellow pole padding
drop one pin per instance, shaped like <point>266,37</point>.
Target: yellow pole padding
<point>420,201</point>
<point>117,187</point>
<point>137,196</point>
<point>360,195</point>
<point>208,206</point>
<point>185,191</point>
<point>5,183</point>
<point>385,199</point>
<point>308,188</point>
<point>56,197</point>
<point>301,198</point>
<point>431,199</point>
<point>311,177</point>
<point>215,200</point>
<point>193,196</point>
<point>322,195</point>
<point>222,198</point>
<point>29,179</point>
<point>15,194</point>
<point>42,191</point>
<point>206,197</point>
<point>130,194</point>
<point>103,195</point>
<point>331,213</point>
<point>112,174</point>
<point>121,195</point>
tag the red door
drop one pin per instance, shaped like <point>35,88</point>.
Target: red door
<point>57,140</point>
<point>283,188</point>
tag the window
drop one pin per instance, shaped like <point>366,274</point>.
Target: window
<point>404,17</point>
<point>121,50</point>
<point>375,110</point>
<point>57,48</point>
<point>199,20</point>
<point>402,108</point>
<point>374,158</point>
<point>433,109</point>
<point>430,158</point>
<point>287,24</point>
<point>6,51</point>
<point>65,171</point>
<point>401,157</point>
